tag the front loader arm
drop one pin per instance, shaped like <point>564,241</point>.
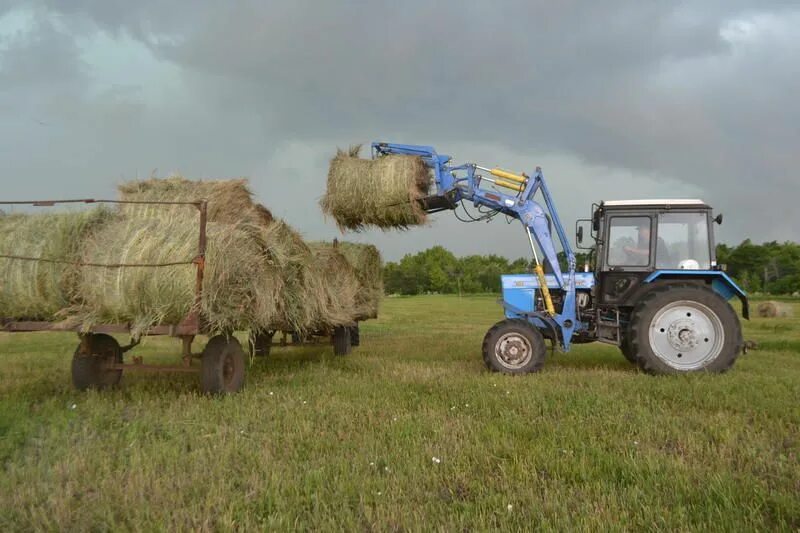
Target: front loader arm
<point>511,194</point>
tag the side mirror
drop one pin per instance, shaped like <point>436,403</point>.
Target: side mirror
<point>581,227</point>
<point>718,219</point>
<point>596,221</point>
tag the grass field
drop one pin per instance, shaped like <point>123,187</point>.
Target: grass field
<point>408,432</point>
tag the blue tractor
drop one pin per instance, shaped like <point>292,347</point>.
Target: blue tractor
<point>655,291</point>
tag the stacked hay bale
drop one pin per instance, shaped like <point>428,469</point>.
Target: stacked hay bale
<point>382,192</point>
<point>339,283</point>
<point>146,296</point>
<point>39,290</point>
<point>259,272</point>
<point>272,286</point>
<point>366,261</point>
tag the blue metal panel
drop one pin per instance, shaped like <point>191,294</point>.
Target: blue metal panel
<point>519,291</point>
<point>721,283</point>
<point>583,280</point>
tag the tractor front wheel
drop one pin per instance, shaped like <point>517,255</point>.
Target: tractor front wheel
<point>684,328</point>
<point>514,346</point>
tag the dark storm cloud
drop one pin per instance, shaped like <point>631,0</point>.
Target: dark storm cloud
<point>653,88</point>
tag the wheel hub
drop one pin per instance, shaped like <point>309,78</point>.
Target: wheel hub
<point>682,335</point>
<point>513,350</point>
<point>686,335</point>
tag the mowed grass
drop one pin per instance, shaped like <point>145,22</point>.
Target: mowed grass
<point>408,432</point>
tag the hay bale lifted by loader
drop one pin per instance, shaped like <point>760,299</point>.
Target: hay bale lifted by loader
<point>161,262</point>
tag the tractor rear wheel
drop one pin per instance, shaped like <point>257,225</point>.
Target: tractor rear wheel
<point>90,370</point>
<point>222,366</point>
<point>514,346</point>
<point>684,328</point>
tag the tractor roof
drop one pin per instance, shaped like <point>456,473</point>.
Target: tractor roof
<point>675,202</point>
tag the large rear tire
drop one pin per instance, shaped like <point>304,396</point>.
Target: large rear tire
<point>627,350</point>
<point>222,367</point>
<point>514,346</point>
<point>684,328</point>
<point>90,371</point>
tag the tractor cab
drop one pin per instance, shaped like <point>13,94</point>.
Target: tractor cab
<point>636,238</point>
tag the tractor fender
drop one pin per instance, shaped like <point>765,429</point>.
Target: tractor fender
<point>720,282</point>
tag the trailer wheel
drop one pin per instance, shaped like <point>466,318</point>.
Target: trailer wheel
<point>261,343</point>
<point>341,340</point>
<point>222,367</point>
<point>91,370</point>
<point>355,336</point>
<point>514,346</point>
<point>685,328</point>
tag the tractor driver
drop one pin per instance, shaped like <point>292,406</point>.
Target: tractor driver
<point>640,254</point>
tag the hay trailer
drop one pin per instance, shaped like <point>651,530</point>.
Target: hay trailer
<point>98,359</point>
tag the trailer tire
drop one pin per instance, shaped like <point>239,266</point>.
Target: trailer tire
<point>222,367</point>
<point>89,371</point>
<point>355,336</point>
<point>341,340</point>
<point>682,328</point>
<point>514,346</point>
<point>261,343</point>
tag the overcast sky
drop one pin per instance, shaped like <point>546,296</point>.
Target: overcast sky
<point>614,99</point>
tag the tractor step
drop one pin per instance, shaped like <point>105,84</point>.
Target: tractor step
<point>609,331</point>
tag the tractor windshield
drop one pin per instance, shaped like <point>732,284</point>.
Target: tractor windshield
<point>685,236</point>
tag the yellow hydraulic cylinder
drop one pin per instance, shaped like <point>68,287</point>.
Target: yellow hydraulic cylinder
<point>548,302</point>
<point>500,173</point>
<point>509,185</point>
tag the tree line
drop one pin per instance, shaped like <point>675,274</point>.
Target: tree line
<point>771,267</point>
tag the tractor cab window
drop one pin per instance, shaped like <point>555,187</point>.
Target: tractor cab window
<point>686,241</point>
<point>629,241</point>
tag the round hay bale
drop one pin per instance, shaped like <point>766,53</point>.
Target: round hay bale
<point>229,201</point>
<point>382,192</point>
<point>299,299</point>
<point>774,309</point>
<point>337,282</point>
<point>236,274</point>
<point>37,290</point>
<point>767,310</point>
<point>366,260</point>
